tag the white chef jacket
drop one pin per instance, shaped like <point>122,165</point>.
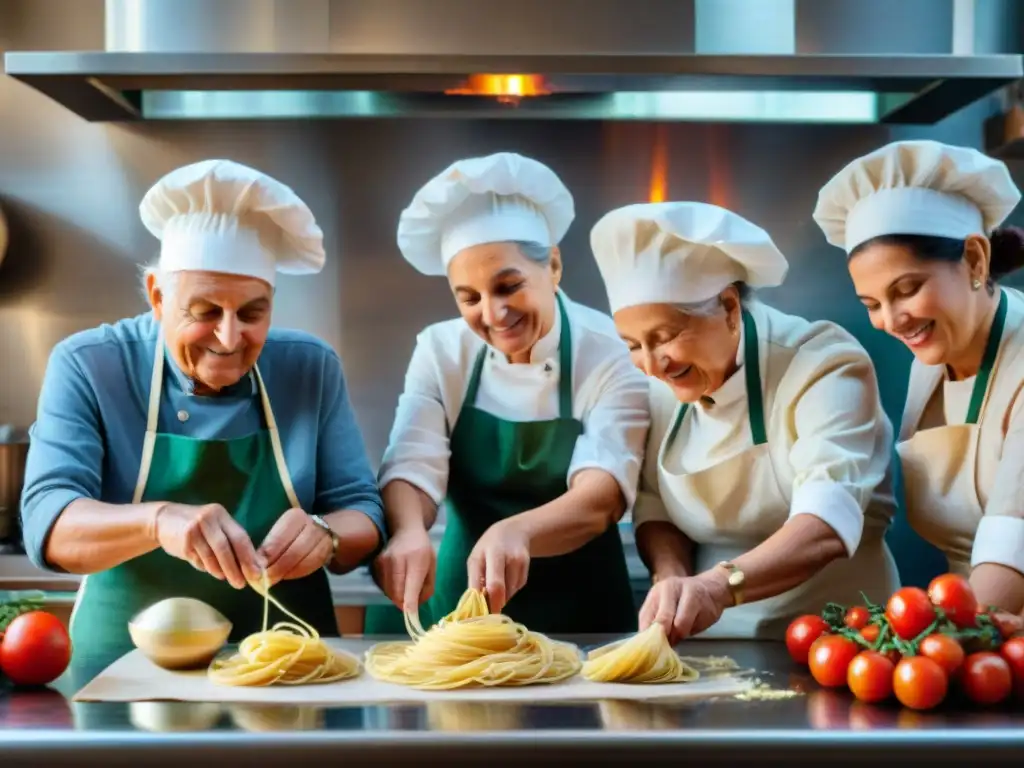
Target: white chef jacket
<point>829,438</point>
<point>609,396</point>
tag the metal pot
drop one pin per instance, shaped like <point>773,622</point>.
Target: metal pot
<point>13,454</point>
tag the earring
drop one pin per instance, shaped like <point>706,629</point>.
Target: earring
<point>976,284</point>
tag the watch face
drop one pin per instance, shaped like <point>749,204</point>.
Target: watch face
<point>736,579</point>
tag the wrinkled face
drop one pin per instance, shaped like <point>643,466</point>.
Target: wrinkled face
<point>693,354</point>
<point>507,298</point>
<point>929,305</point>
<point>214,324</point>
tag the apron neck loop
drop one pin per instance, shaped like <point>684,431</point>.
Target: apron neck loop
<point>564,373</point>
<point>752,374</point>
<point>988,361</point>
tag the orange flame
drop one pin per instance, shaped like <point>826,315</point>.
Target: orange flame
<point>658,188</point>
<point>507,88</point>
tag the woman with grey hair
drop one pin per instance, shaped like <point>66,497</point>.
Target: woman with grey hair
<point>524,416</point>
<point>764,493</point>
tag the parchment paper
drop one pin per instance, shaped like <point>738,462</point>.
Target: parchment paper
<point>133,677</point>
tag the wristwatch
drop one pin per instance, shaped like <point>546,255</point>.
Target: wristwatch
<point>330,532</point>
<point>735,581</point>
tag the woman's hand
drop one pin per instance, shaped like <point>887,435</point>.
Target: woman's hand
<point>686,605</point>
<point>500,563</point>
<point>295,547</point>
<point>210,539</point>
<point>406,568</point>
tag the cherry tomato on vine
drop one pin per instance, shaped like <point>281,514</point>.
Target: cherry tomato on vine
<point>986,678</point>
<point>801,633</point>
<point>870,632</point>
<point>829,659</point>
<point>910,612</point>
<point>953,594</point>
<point>869,676</point>
<point>1013,651</point>
<point>857,617</point>
<point>944,651</point>
<point>919,683</point>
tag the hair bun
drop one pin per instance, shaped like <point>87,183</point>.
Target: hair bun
<point>1007,251</point>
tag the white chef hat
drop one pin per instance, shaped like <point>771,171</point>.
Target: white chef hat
<point>491,199</point>
<point>680,253</point>
<point>915,188</point>
<point>221,216</point>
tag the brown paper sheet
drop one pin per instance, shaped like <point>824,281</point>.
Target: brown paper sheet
<point>135,678</point>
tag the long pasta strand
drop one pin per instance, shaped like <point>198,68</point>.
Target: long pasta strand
<point>288,653</point>
<point>646,657</point>
<point>471,647</point>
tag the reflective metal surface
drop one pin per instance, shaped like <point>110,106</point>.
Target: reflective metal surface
<point>818,725</point>
<point>119,86</point>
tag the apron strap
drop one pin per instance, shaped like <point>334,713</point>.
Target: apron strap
<point>565,367</point>
<point>988,361</point>
<point>755,399</point>
<point>153,414</point>
<point>564,363</point>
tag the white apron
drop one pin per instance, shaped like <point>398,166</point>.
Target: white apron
<point>731,507</point>
<point>940,465</point>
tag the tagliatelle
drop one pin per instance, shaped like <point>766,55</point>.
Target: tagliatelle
<point>471,647</point>
<point>288,653</point>
<point>646,657</point>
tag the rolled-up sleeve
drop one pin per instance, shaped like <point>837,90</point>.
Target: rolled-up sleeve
<point>65,457</point>
<point>1000,536</point>
<point>840,454</point>
<point>418,448</point>
<point>615,428</point>
<point>344,478</point>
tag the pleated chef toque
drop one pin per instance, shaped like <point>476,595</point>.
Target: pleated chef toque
<point>497,198</point>
<point>681,252</point>
<point>221,216</point>
<point>915,188</point>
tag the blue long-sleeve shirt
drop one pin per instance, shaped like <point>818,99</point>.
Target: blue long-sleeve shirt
<point>91,423</point>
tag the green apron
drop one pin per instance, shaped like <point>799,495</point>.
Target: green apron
<point>502,468</point>
<point>249,477</point>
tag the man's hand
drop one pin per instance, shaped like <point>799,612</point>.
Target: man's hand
<point>295,547</point>
<point>406,568</point>
<point>500,563</point>
<point>210,539</point>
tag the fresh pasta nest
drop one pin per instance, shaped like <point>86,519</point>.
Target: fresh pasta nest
<point>646,657</point>
<point>471,647</point>
<point>288,653</point>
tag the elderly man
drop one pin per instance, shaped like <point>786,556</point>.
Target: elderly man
<point>158,464</point>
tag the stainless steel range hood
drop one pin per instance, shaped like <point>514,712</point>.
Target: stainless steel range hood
<point>181,59</point>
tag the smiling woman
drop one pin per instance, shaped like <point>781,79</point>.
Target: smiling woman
<point>920,222</point>
<point>764,487</point>
<point>524,416</point>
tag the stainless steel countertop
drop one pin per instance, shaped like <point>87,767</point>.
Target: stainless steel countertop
<point>821,726</point>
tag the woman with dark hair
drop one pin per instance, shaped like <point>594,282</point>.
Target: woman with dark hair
<point>921,222</point>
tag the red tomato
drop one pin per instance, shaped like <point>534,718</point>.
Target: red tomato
<point>944,651</point>
<point>870,676</point>
<point>1013,652</point>
<point>801,633</point>
<point>829,659</point>
<point>919,683</point>
<point>953,594</point>
<point>36,649</point>
<point>870,632</point>
<point>910,612</point>
<point>857,617</point>
<point>986,678</point>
